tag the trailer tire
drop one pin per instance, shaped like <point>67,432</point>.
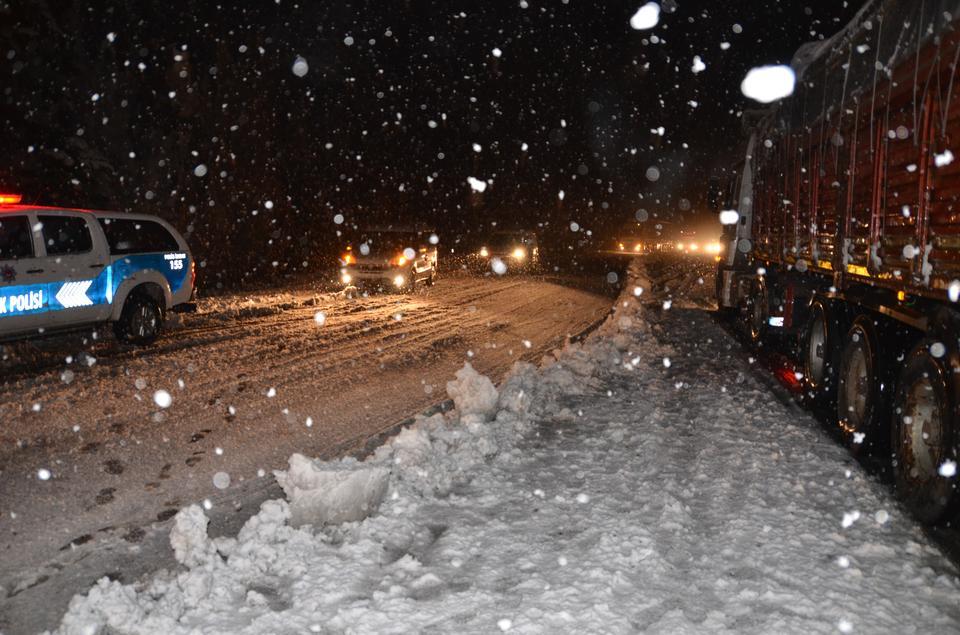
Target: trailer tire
<point>820,356</point>
<point>923,436</point>
<point>862,388</point>
<point>756,311</point>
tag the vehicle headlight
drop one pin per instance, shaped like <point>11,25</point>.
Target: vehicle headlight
<point>483,252</point>
<point>398,281</point>
<point>519,253</point>
<point>346,278</point>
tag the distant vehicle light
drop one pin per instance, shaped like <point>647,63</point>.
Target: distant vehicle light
<point>401,261</point>
<point>483,252</point>
<point>638,247</point>
<point>713,248</point>
<point>519,253</point>
<point>620,245</point>
<point>9,199</point>
<point>679,246</point>
<point>694,246</point>
<point>398,281</point>
<point>348,259</point>
<point>346,278</point>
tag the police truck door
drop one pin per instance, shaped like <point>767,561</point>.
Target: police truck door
<point>78,256</point>
<point>22,301</point>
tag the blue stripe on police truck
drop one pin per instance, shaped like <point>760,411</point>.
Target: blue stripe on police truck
<point>32,299</point>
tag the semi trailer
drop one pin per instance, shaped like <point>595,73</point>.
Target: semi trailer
<point>844,239</point>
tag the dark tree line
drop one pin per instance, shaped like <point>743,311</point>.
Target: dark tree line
<point>193,111</point>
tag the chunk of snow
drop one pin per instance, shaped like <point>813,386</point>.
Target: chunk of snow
<point>767,84</point>
<point>646,17</point>
<point>498,266</point>
<point>200,170</point>
<point>43,474</point>
<point>698,65</point>
<point>943,159</point>
<point>473,393</point>
<point>323,493</point>
<point>188,537</point>
<point>497,52</point>
<point>948,469</point>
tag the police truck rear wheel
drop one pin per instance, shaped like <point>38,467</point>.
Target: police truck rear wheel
<point>140,320</point>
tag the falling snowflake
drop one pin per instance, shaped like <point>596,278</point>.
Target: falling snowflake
<point>162,398</point>
<point>300,67</point>
<point>769,83</point>
<point>477,185</point>
<point>943,159</point>
<point>646,17</point>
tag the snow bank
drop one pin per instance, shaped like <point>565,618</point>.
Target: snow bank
<point>601,492</point>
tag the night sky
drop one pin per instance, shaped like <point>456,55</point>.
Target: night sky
<point>193,111</point>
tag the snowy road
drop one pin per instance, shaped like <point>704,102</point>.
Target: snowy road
<point>644,481</point>
<point>252,379</point>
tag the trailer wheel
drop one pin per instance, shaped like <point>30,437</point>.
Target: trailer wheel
<point>861,400</point>
<point>923,435</point>
<point>819,351</point>
<point>756,311</point>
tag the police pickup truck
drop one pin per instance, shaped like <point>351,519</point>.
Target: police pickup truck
<point>68,268</point>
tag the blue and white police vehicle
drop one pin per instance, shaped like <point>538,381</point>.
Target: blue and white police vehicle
<point>65,268</point>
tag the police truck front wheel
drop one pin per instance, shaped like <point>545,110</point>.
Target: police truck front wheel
<point>139,321</point>
<point>923,438</point>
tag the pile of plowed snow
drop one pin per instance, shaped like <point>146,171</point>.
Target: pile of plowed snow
<point>600,492</point>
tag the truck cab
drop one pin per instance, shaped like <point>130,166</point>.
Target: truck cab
<point>62,269</point>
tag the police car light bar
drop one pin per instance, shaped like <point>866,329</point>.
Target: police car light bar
<point>9,199</point>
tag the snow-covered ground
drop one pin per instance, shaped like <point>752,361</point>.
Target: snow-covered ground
<point>644,480</point>
<point>251,378</point>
